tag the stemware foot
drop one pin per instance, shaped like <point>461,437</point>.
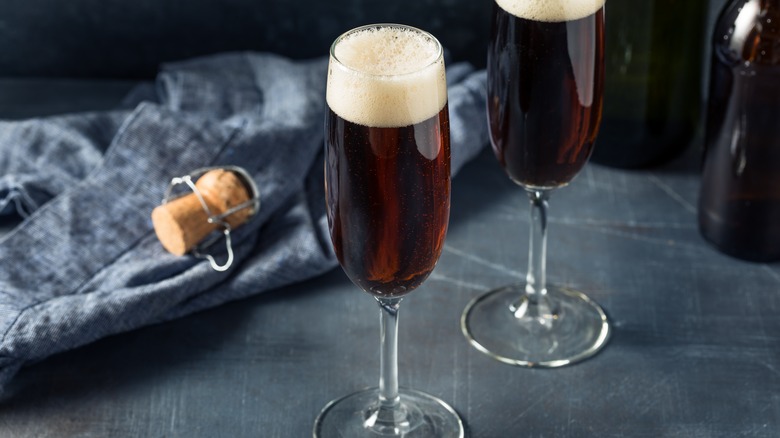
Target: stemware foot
<point>419,415</point>
<point>565,328</point>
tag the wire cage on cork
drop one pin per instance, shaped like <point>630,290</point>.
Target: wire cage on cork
<point>221,199</point>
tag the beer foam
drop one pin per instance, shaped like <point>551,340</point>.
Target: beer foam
<point>386,77</point>
<point>551,10</point>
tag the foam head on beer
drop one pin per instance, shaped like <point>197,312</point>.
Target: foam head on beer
<point>551,10</point>
<point>386,77</point>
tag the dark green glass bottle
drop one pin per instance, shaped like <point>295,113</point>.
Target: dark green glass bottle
<point>653,95</point>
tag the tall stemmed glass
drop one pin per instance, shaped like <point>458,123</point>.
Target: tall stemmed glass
<point>545,88</point>
<point>387,178</point>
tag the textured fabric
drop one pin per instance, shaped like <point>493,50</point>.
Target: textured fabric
<point>85,263</point>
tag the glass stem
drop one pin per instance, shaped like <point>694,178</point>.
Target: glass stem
<point>534,306</point>
<point>536,278</point>
<point>389,416</point>
<point>388,359</point>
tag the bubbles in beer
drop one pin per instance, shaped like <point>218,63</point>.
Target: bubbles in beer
<point>551,10</point>
<point>387,77</point>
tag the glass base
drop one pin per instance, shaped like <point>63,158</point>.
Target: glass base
<point>565,328</point>
<point>357,415</point>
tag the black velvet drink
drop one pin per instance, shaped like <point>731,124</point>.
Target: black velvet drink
<point>546,67</point>
<point>545,85</point>
<point>388,173</point>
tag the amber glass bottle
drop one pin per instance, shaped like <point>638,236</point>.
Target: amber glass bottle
<point>739,203</point>
<point>652,100</point>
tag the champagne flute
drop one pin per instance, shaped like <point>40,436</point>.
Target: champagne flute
<point>387,180</point>
<point>545,93</point>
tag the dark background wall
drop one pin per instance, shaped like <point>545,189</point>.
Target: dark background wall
<point>130,38</point>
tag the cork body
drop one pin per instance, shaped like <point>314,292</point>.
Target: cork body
<point>181,223</point>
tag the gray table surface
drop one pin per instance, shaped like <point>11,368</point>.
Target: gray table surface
<point>695,350</point>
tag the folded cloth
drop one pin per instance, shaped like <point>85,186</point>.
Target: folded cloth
<point>85,263</point>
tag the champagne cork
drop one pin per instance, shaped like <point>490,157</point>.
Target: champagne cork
<point>181,223</point>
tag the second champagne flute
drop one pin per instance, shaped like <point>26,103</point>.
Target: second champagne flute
<point>545,88</point>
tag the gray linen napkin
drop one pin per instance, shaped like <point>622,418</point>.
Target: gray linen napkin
<point>85,262</point>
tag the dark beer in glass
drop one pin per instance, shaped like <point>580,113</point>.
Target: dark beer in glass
<point>388,194</point>
<point>545,90</point>
<point>387,186</point>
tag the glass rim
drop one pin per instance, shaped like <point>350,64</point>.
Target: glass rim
<point>439,49</point>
